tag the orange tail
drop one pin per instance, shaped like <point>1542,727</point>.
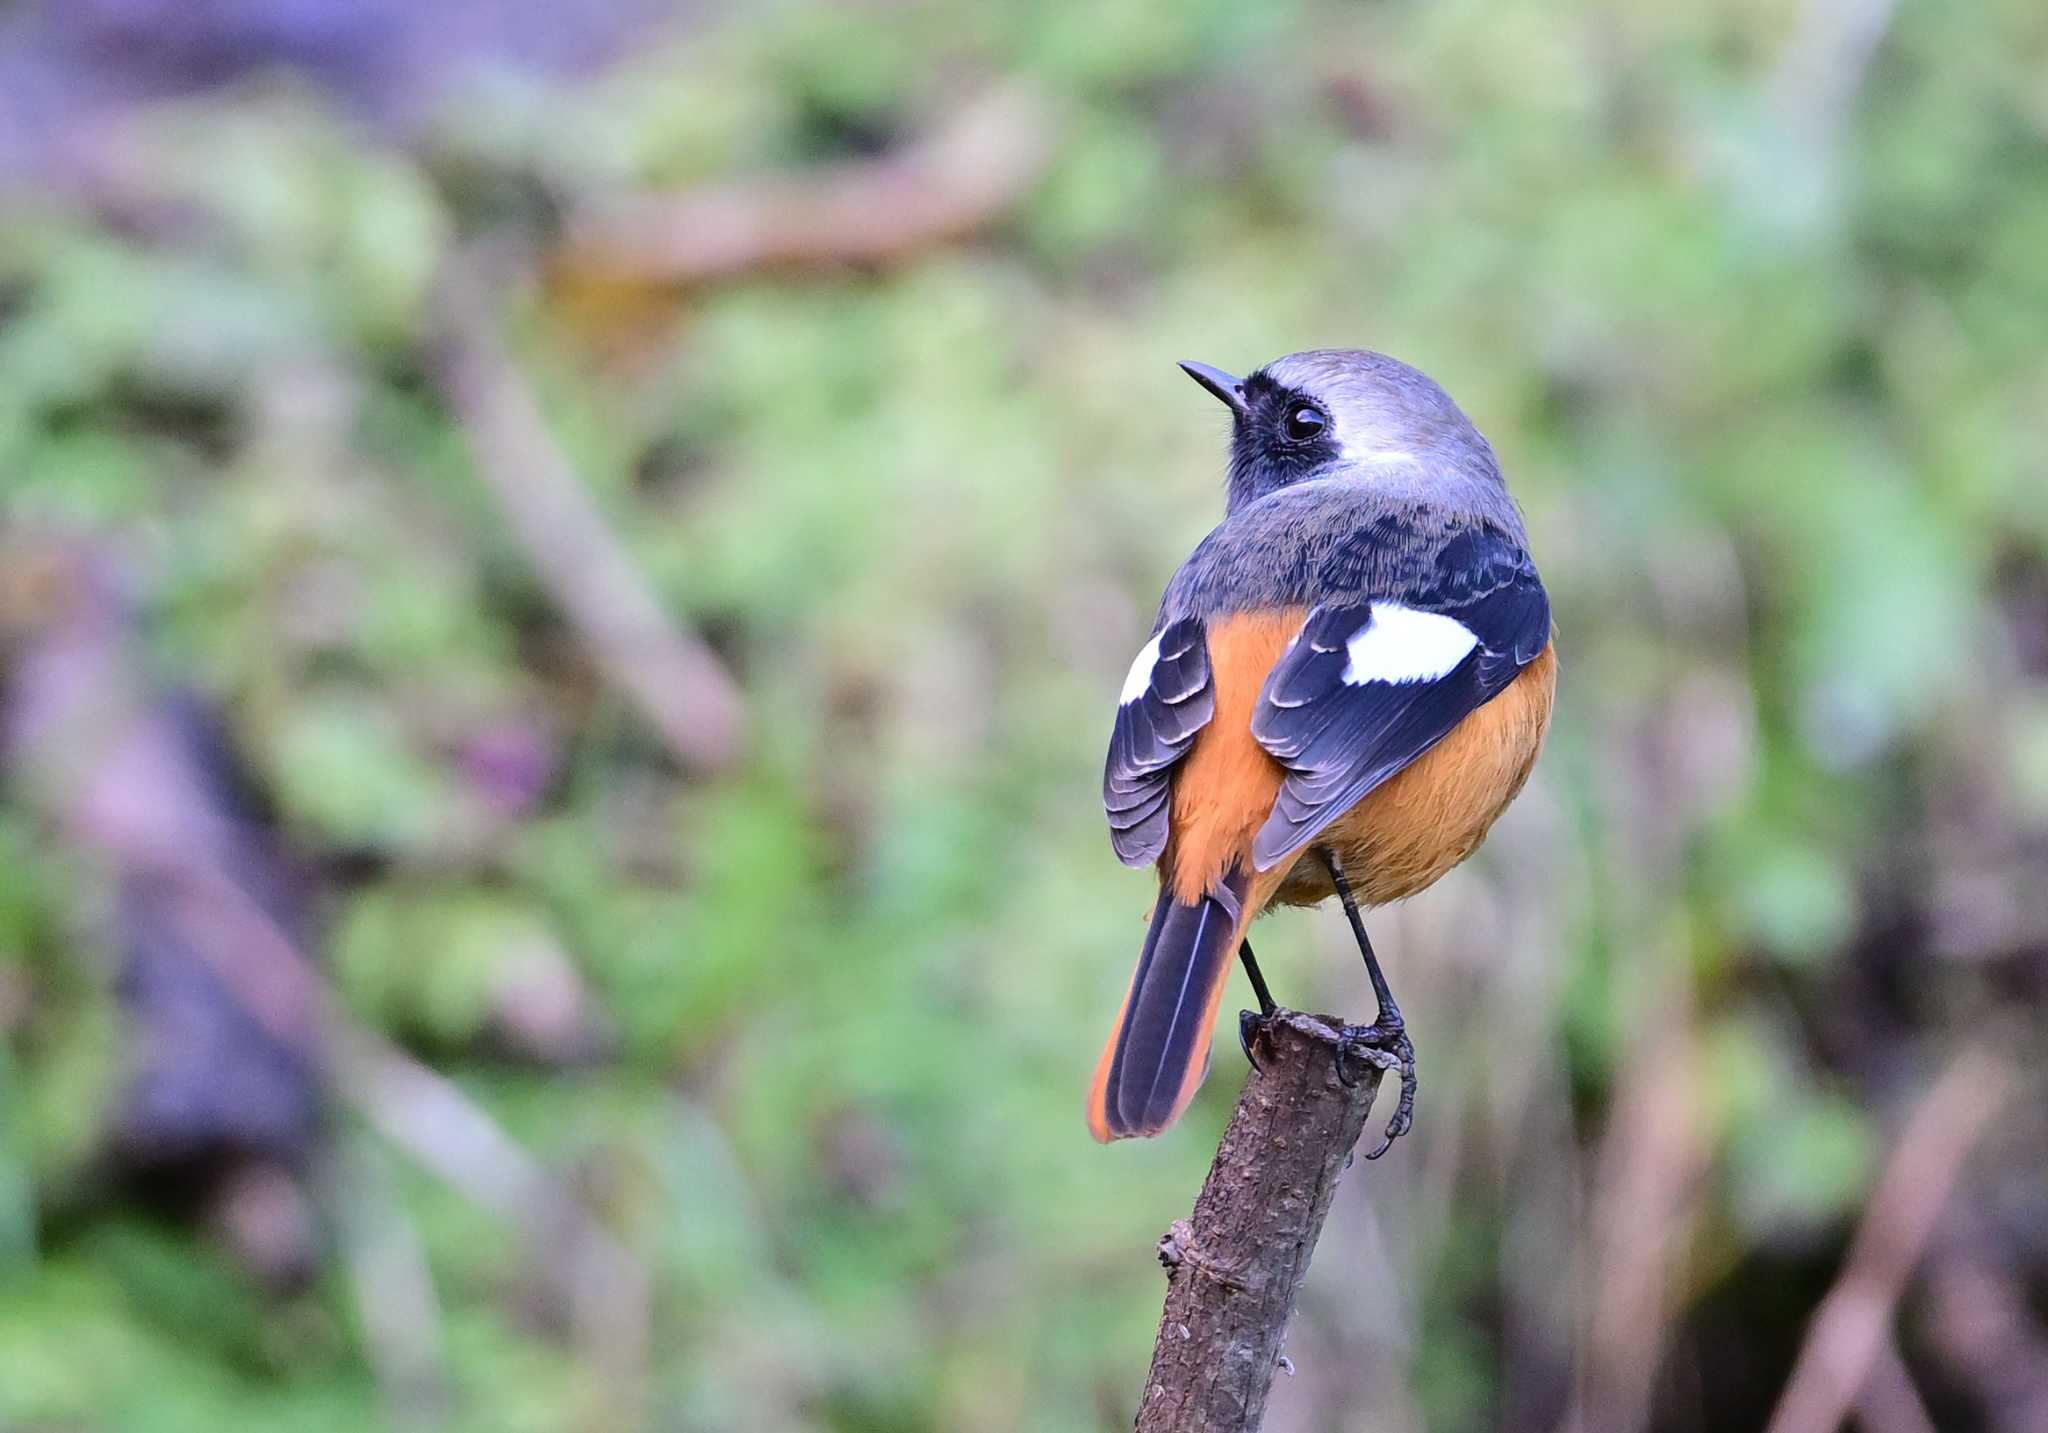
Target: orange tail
<point>1159,1050</point>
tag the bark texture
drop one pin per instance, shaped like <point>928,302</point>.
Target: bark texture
<point>1234,1269</point>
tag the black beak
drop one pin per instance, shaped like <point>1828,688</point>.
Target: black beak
<point>1229,389</point>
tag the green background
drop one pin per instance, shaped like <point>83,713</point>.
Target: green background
<point>1751,299</point>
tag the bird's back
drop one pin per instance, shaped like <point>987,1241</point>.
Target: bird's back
<point>1330,540</point>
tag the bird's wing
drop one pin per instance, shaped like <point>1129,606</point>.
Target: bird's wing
<point>1371,685</point>
<point>1168,697</point>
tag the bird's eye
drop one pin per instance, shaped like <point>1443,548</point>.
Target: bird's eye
<point>1304,421</point>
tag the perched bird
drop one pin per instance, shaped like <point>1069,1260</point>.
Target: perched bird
<point>1347,683</point>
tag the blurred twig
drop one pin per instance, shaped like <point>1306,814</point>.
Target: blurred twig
<point>1849,1331</point>
<point>432,1119</point>
<point>393,1285</point>
<point>677,683</point>
<point>1644,1205</point>
<point>1235,1268</point>
<point>1823,67</point>
<point>947,184</point>
<point>85,722</point>
<point>1889,1403</point>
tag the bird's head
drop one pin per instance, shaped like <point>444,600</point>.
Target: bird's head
<point>1351,414</point>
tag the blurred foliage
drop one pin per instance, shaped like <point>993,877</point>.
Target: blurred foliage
<point>1761,346</point>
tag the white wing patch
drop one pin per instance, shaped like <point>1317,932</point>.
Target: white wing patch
<point>1141,673</point>
<point>1403,644</point>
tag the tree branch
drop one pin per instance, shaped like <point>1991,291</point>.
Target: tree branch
<point>677,682</point>
<point>953,181</point>
<point>1853,1323</point>
<point>1233,1271</point>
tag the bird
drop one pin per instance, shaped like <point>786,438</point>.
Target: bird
<point>1347,683</point>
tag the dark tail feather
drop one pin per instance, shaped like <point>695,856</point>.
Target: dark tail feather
<point>1158,1052</point>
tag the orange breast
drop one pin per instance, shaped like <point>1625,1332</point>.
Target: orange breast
<point>1398,840</point>
<point>1434,813</point>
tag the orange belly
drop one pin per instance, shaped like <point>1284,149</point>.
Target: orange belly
<point>1434,813</point>
<point>1400,838</point>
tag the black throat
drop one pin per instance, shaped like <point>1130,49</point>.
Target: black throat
<point>1263,459</point>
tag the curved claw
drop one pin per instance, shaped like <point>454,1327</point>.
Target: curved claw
<point>1404,1109</point>
<point>1386,1046</point>
<point>1251,1027</point>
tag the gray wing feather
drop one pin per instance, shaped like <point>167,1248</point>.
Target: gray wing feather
<point>1152,732</point>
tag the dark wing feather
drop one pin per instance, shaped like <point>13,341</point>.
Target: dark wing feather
<point>1154,731</point>
<point>1340,740</point>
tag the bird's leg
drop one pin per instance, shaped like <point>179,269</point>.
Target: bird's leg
<point>1385,1042</point>
<point>1251,969</point>
<point>1250,1026</point>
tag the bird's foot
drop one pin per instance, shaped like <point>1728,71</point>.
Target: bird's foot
<point>1251,1030</point>
<point>1385,1046</point>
